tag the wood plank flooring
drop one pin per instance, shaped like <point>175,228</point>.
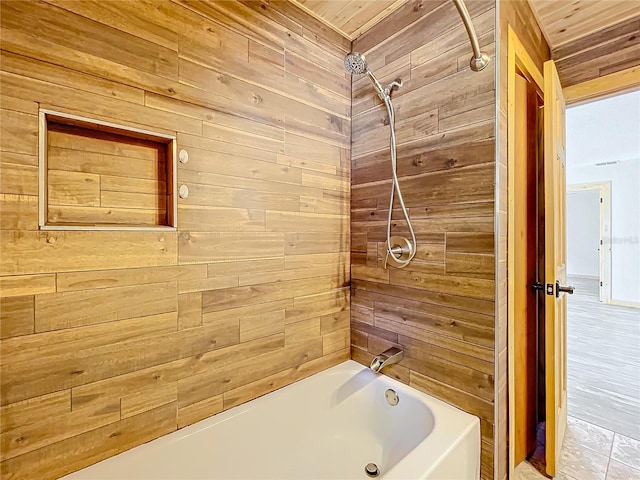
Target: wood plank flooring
<point>603,348</point>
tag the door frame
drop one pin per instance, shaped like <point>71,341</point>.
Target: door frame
<point>603,87</point>
<point>519,62</point>
<point>604,191</point>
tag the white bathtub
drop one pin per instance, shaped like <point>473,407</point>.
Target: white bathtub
<point>328,426</point>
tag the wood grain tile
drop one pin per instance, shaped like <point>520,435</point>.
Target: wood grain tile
<point>273,382</point>
<point>16,316</point>
<point>302,330</point>
<point>189,310</point>
<point>125,336</point>
<point>89,447</point>
<point>145,400</point>
<point>262,325</point>
<point>41,432</point>
<point>19,285</point>
<point>43,252</point>
<point>94,279</point>
<point>19,212</point>
<point>199,387</point>
<point>199,411</point>
<point>19,174</point>
<point>72,309</point>
<point>35,409</point>
<point>440,308</point>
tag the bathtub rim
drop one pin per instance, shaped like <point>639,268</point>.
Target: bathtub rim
<point>452,426</point>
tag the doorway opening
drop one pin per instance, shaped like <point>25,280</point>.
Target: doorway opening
<point>590,362</point>
<point>603,263</point>
<point>589,235</point>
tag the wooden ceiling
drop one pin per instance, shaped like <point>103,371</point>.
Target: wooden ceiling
<point>565,21</point>
<point>351,18</point>
<point>561,21</point>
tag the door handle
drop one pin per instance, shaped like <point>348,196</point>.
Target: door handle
<point>561,289</point>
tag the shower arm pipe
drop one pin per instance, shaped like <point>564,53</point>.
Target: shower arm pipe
<point>479,59</point>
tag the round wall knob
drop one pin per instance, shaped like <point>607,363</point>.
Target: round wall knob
<point>183,191</point>
<point>183,156</point>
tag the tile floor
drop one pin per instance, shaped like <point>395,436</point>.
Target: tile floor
<point>603,433</point>
<point>591,452</point>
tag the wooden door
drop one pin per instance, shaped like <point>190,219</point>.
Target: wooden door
<point>555,267</point>
<point>525,271</point>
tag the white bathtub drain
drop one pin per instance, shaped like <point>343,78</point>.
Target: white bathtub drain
<point>372,470</point>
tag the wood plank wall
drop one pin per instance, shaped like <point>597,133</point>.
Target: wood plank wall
<point>439,309</point>
<point>111,339</point>
<point>598,54</point>
<point>520,17</point>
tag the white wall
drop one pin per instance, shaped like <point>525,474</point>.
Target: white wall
<point>583,233</point>
<point>608,131</point>
<point>625,222</point>
<point>604,131</point>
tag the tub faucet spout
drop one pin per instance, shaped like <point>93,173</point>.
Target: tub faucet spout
<point>389,356</point>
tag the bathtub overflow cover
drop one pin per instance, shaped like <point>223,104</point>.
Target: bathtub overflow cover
<point>372,470</point>
<point>392,397</point>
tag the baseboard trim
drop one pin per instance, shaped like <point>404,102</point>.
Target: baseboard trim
<point>624,303</point>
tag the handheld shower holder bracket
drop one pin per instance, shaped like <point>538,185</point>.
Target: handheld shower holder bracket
<point>399,251</point>
<point>391,86</point>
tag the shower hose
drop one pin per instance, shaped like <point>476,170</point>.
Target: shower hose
<point>395,186</point>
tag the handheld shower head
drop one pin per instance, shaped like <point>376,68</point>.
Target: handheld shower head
<point>355,63</point>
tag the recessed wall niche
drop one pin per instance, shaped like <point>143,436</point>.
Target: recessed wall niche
<point>97,175</point>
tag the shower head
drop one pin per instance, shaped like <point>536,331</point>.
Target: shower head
<point>355,63</point>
